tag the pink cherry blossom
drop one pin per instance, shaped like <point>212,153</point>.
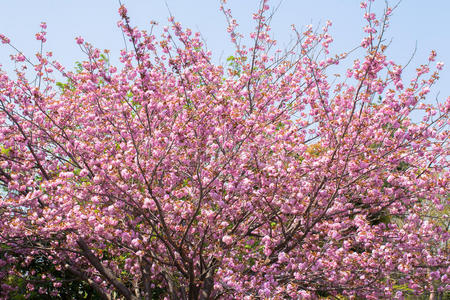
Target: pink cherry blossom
<point>263,177</point>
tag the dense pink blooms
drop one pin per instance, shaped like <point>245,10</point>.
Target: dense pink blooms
<point>259,178</point>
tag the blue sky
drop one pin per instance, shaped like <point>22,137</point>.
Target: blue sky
<point>424,22</point>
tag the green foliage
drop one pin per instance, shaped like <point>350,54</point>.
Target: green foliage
<point>5,151</point>
<point>37,272</point>
<point>234,65</point>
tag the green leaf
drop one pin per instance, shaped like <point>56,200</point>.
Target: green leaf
<point>5,151</point>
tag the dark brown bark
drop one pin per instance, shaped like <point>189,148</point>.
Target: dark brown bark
<point>105,272</point>
<point>89,281</point>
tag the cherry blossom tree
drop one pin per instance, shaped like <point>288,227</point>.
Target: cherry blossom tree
<point>173,177</point>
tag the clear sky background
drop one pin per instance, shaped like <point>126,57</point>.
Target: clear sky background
<point>426,23</point>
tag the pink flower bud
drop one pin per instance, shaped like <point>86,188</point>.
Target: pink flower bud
<point>79,40</point>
